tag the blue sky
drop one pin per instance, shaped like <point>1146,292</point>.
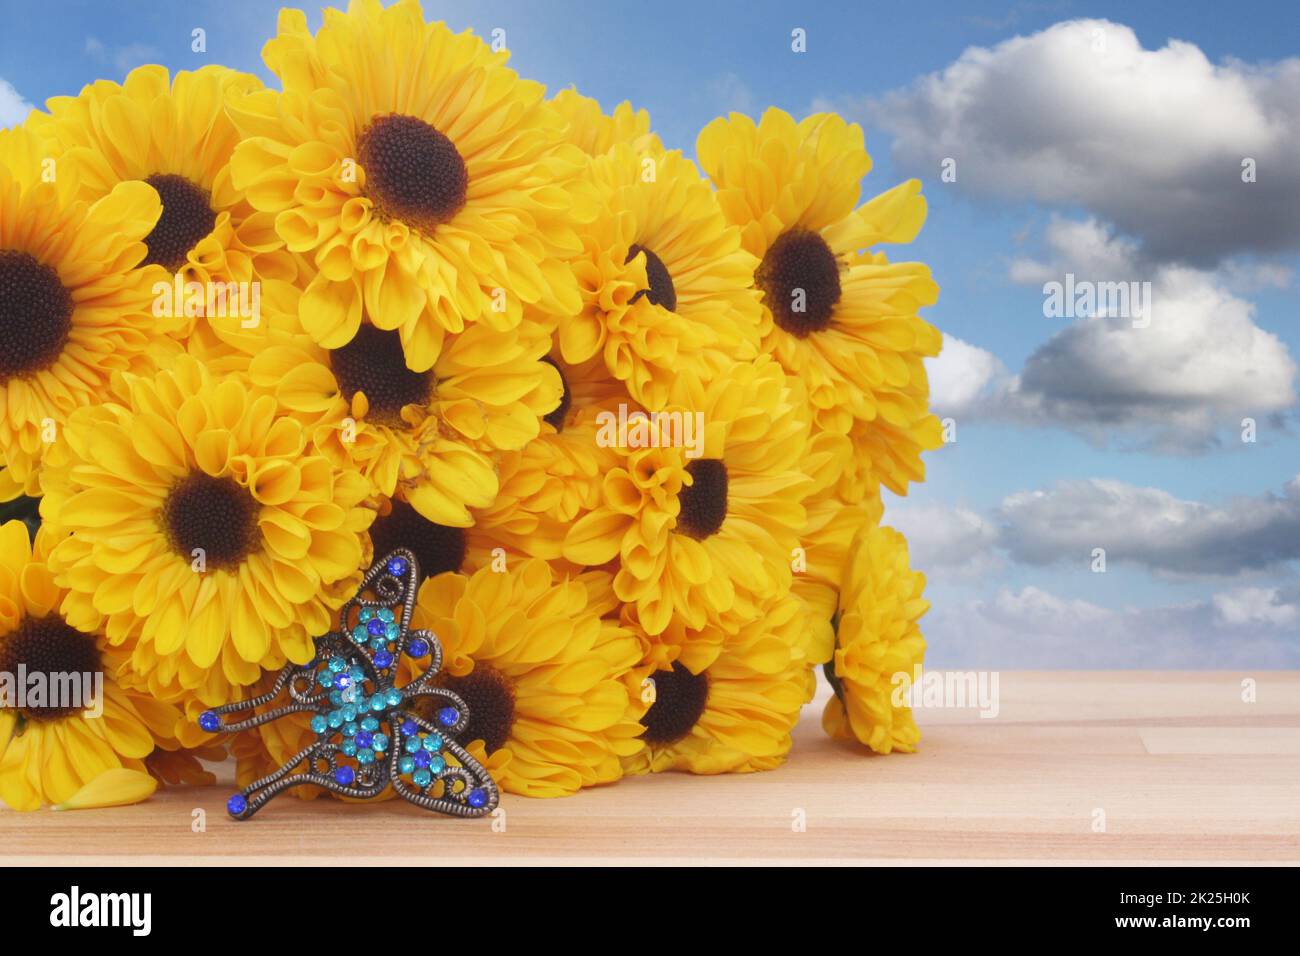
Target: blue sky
<point>1117,162</point>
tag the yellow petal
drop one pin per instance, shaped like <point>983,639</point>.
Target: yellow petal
<point>112,788</point>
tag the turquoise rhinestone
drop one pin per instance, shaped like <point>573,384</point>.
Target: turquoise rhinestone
<point>369,723</point>
<point>380,742</point>
<point>318,724</point>
<point>365,755</point>
<point>335,719</point>
<point>405,765</point>
<point>366,614</point>
<point>379,643</point>
<point>325,678</point>
<point>437,764</point>
<point>392,632</point>
<point>338,665</point>
<point>422,778</point>
<point>349,747</point>
<point>394,697</point>
<point>359,634</point>
<point>433,743</point>
<point>336,698</point>
<point>350,729</point>
<point>386,615</point>
<point>378,705</point>
<point>357,673</point>
<point>412,745</point>
<point>350,712</point>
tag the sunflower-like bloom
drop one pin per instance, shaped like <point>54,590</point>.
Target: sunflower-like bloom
<point>877,640</point>
<point>428,438</point>
<point>595,132</point>
<point>843,320</point>
<point>732,710</point>
<point>665,283</point>
<point>704,510</point>
<point>175,135</point>
<point>73,307</point>
<point>429,184</point>
<point>551,687</point>
<point>52,748</point>
<point>196,524</point>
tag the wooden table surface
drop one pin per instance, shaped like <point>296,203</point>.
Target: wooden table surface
<point>1119,767</point>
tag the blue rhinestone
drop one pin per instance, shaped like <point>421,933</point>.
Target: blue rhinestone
<point>365,755</point>
<point>478,797</point>
<point>209,721</point>
<point>366,614</point>
<point>437,764</point>
<point>448,716</point>
<point>383,659</point>
<point>422,759</point>
<point>397,567</point>
<point>433,743</point>
<point>405,765</point>
<point>236,805</point>
<point>348,747</point>
<point>345,776</point>
<point>319,724</point>
<point>359,634</point>
<point>380,742</point>
<point>369,723</point>
<point>422,778</point>
<point>342,681</point>
<point>418,647</point>
<point>413,745</point>
<point>386,615</point>
<point>409,728</point>
<point>365,738</point>
<point>375,628</point>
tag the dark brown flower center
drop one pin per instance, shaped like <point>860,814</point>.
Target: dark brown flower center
<point>800,280</point>
<point>217,515</point>
<point>186,218</point>
<point>490,700</point>
<point>50,646</point>
<point>373,363</point>
<point>35,315</point>
<point>661,291</point>
<point>436,547</point>
<point>680,698</point>
<point>704,502</point>
<point>413,172</point>
<point>556,416</point>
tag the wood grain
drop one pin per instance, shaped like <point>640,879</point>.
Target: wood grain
<point>1184,770</point>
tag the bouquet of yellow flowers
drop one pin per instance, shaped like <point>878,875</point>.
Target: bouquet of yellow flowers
<point>632,413</point>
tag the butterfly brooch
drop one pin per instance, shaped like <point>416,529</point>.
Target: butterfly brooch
<point>369,734</point>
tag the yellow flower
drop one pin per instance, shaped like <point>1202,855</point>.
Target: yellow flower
<point>195,524</point>
<point>665,283</point>
<point>173,134</point>
<point>877,638</point>
<point>732,711</point>
<point>551,687</point>
<point>843,320</point>
<point>73,308</point>
<point>48,752</point>
<point>428,437</point>
<point>595,132</point>
<point>703,532</point>
<point>429,184</point>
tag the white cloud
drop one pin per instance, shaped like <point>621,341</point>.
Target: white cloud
<point>964,378</point>
<point>1080,114</point>
<point>1244,606</point>
<point>13,108</point>
<point>1151,528</point>
<point>1033,628</point>
<point>956,541</point>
